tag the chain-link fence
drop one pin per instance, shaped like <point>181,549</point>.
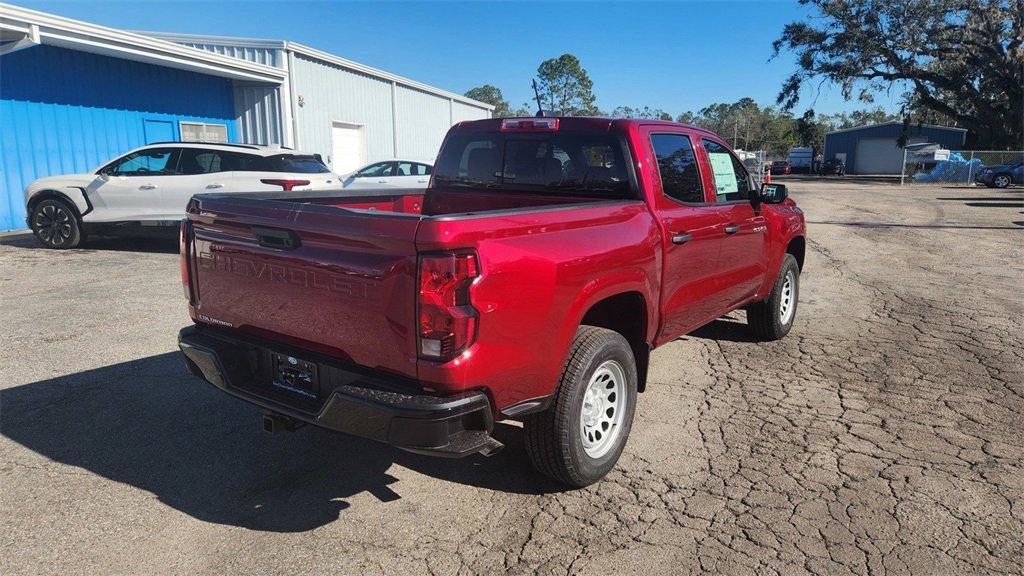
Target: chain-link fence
<point>983,167</point>
<point>754,161</point>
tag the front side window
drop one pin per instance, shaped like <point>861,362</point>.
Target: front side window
<point>149,162</point>
<point>731,179</point>
<point>377,170</point>
<point>677,165</point>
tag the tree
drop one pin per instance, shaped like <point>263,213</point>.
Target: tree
<point>645,112</point>
<point>746,125</point>
<point>810,131</point>
<point>493,96</point>
<point>565,88</point>
<point>958,59</point>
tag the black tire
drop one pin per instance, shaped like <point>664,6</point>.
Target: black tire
<point>1001,181</point>
<point>765,318</point>
<point>56,224</point>
<point>554,440</point>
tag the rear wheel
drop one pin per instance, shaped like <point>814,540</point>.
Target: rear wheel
<point>772,318</point>
<point>1001,181</point>
<point>56,224</point>
<point>581,436</point>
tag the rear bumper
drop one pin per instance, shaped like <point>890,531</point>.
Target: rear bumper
<point>453,426</point>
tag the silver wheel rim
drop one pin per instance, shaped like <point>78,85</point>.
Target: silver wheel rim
<point>787,301</point>
<point>603,407</point>
<point>53,224</point>
<point>1002,181</point>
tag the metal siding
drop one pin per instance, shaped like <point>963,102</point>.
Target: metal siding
<point>64,111</point>
<point>839,142</point>
<point>423,120</point>
<point>267,56</point>
<point>466,112</point>
<point>334,94</point>
<point>259,118</point>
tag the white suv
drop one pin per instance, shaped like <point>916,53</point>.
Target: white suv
<point>153,184</point>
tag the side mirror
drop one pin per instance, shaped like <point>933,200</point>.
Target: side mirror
<point>773,193</point>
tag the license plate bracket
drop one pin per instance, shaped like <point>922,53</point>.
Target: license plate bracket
<point>294,375</point>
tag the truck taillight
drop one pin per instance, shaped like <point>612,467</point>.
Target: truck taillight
<point>183,253</point>
<point>287,185</point>
<point>447,320</point>
<point>529,125</point>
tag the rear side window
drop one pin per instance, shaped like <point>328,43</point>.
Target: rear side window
<point>413,169</point>
<point>731,179</point>
<point>202,161</point>
<point>677,165</point>
<point>577,163</point>
<point>295,163</point>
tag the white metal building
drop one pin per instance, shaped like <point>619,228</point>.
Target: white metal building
<point>349,113</point>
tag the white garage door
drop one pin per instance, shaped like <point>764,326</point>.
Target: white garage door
<point>348,148</point>
<point>880,156</point>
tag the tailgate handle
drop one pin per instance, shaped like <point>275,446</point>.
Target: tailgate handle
<point>276,238</point>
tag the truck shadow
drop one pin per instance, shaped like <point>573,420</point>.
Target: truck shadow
<point>728,328</point>
<point>149,424</point>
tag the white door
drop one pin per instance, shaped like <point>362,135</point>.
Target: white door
<point>130,188</point>
<point>348,148</point>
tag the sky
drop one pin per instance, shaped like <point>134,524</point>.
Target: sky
<point>679,56</point>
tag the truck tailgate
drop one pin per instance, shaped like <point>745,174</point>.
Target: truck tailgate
<point>330,280</point>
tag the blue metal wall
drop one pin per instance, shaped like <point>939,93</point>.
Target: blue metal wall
<point>64,111</point>
<point>846,141</point>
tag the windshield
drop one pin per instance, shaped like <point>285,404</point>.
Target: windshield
<point>591,163</point>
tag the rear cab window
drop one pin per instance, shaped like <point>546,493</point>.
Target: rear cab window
<point>578,163</point>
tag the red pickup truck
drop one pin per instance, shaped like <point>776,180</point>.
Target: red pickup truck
<point>530,281</point>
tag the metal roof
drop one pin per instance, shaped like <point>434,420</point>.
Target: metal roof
<point>24,25</point>
<point>867,126</point>
<point>316,55</point>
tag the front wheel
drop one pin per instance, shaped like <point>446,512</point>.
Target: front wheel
<point>56,225</point>
<point>581,436</point>
<point>771,318</point>
<point>1001,181</point>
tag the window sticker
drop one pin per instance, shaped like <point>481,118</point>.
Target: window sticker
<point>725,176</point>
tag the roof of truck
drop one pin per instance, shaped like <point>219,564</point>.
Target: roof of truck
<point>579,123</point>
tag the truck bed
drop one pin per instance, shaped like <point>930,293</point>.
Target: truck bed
<point>336,273</point>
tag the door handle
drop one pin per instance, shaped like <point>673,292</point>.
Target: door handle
<point>147,187</point>
<point>382,181</point>
<point>214,186</point>
<point>682,238</point>
<point>422,181</point>
<point>732,229</point>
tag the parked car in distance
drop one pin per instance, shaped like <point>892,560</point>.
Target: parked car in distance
<point>389,174</point>
<point>780,167</point>
<point>529,281</point>
<point>152,185</point>
<point>1002,175</point>
<point>833,167</point>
